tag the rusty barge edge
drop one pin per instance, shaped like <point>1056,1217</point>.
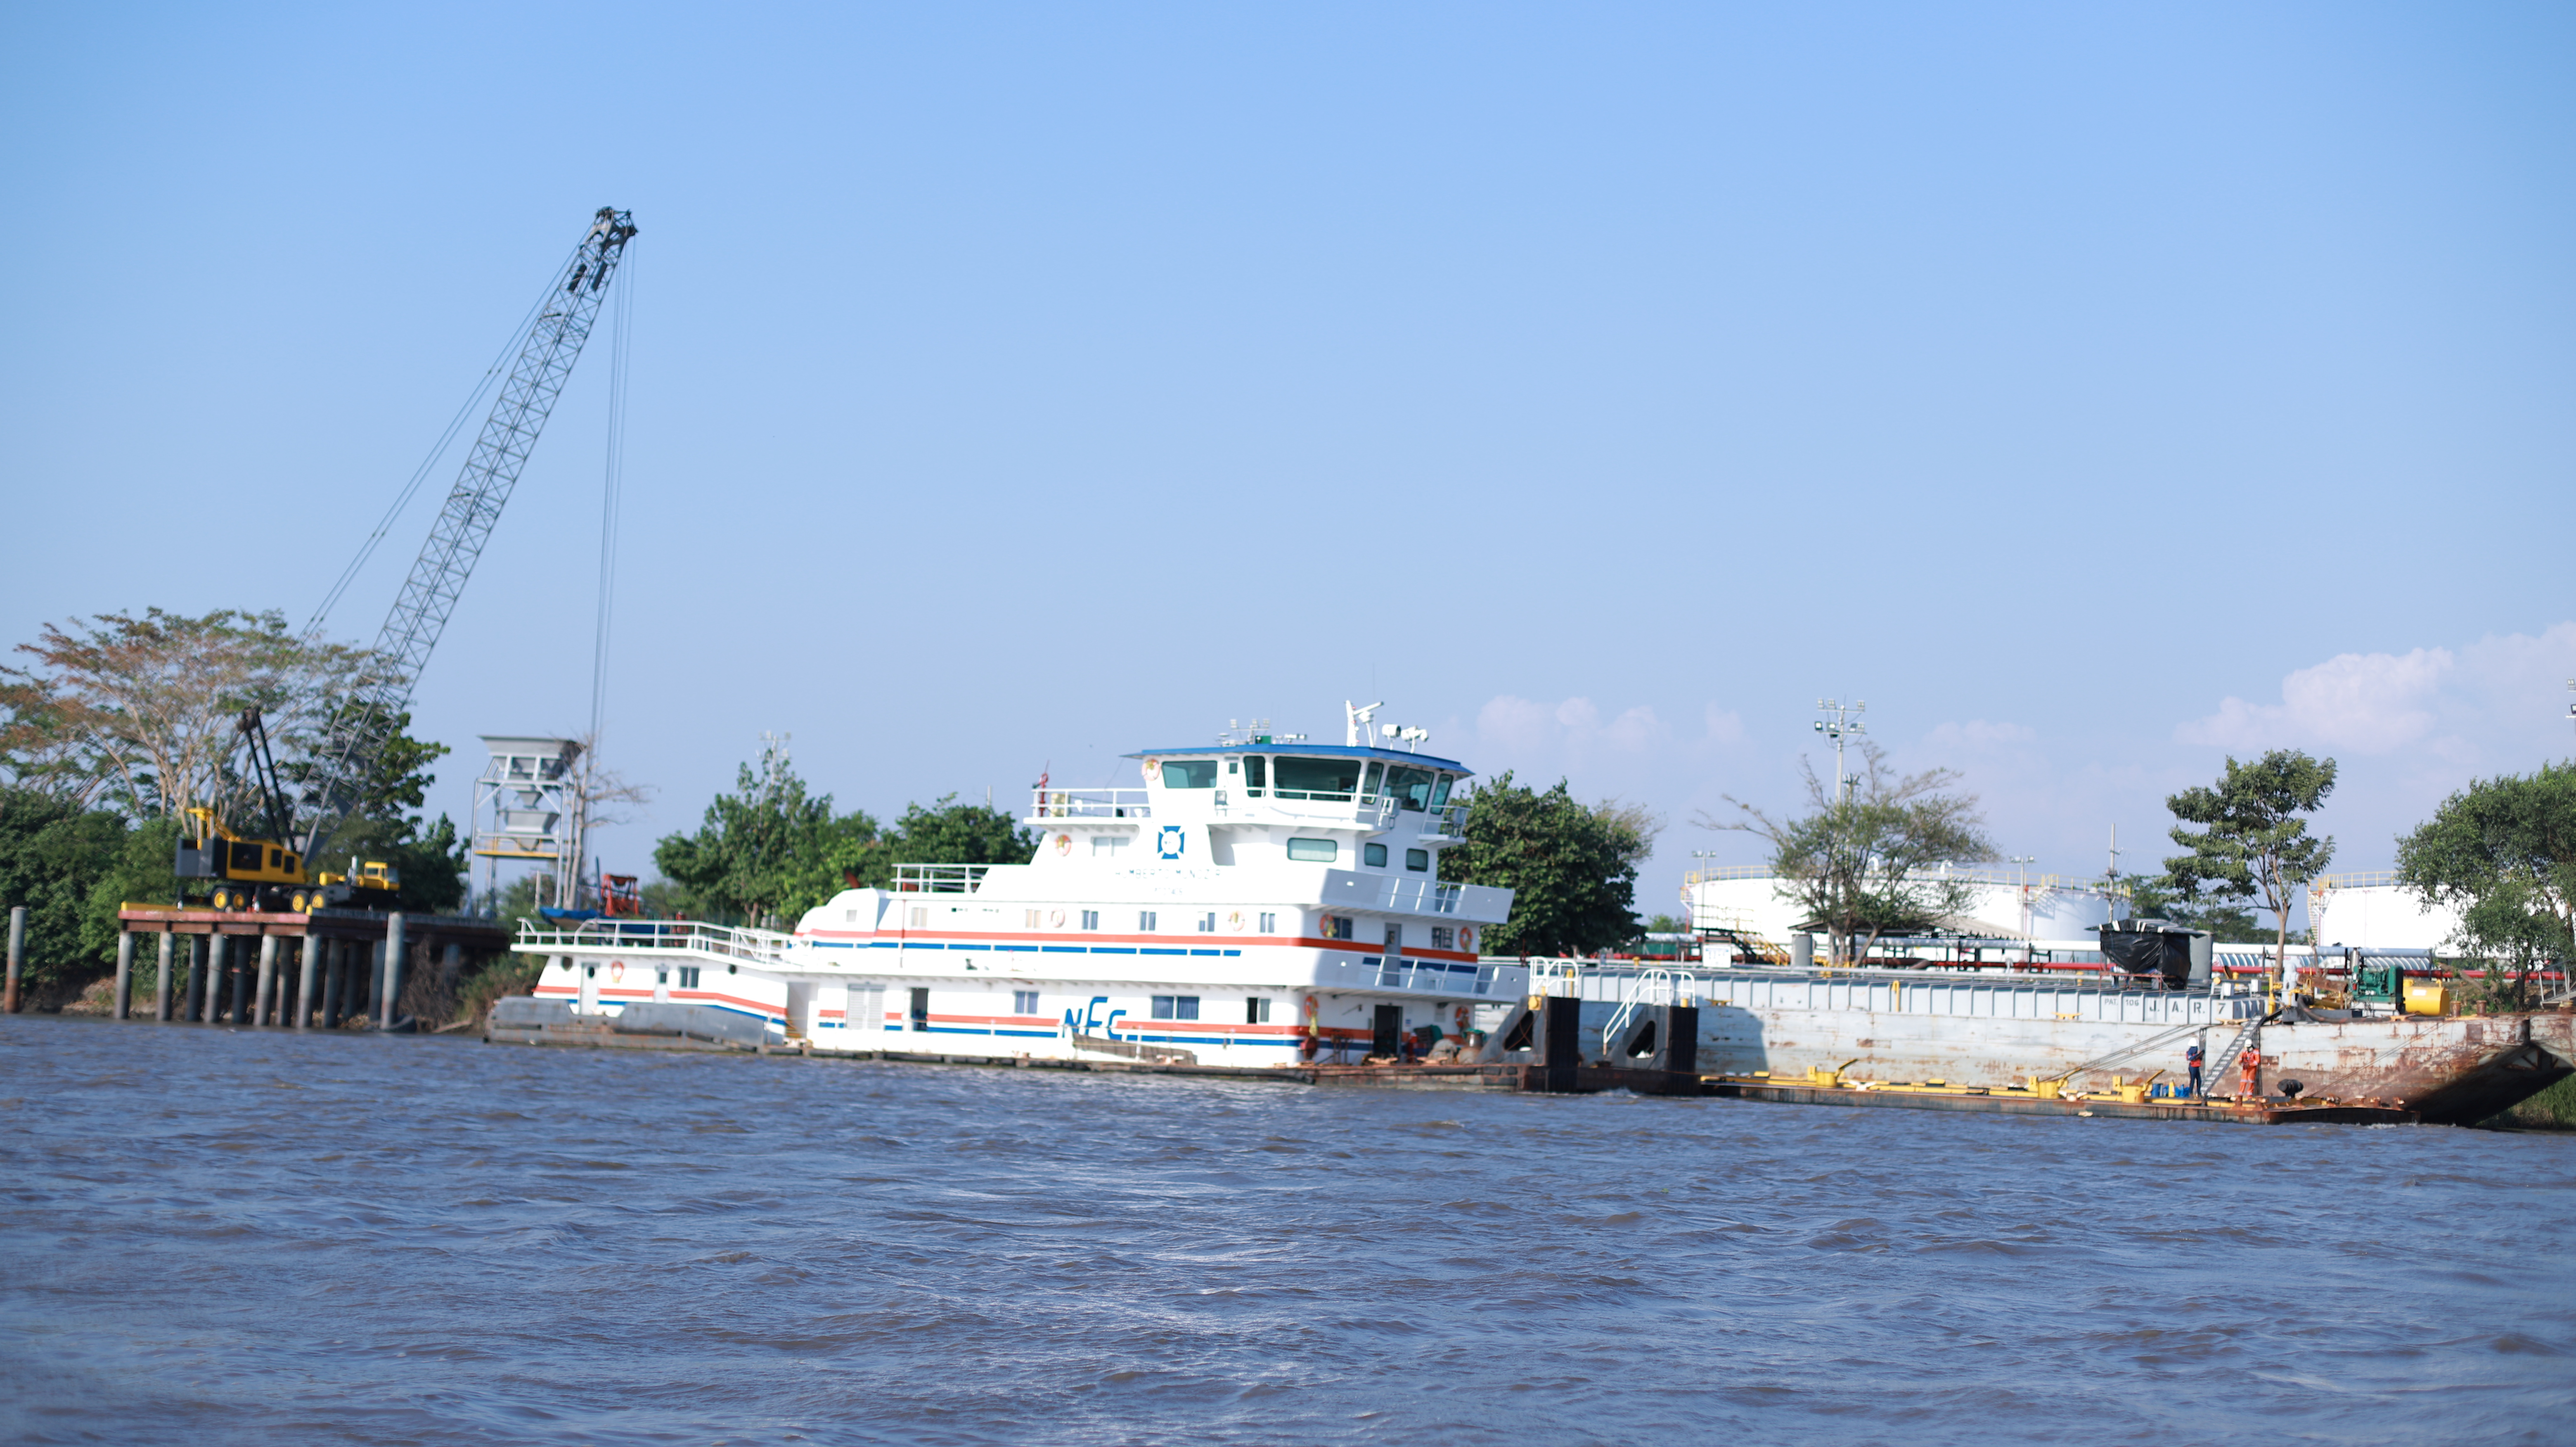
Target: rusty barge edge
<point>2265,1113</point>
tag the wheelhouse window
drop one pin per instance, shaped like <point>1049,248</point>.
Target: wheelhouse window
<point>1440,791</point>
<point>1189,773</point>
<point>1325,779</point>
<point>1314,851</point>
<point>1417,860</point>
<point>1373,855</point>
<point>1256,775</point>
<point>1411,787</point>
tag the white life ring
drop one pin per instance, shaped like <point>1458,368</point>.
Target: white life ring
<point>1056,918</point>
<point>616,970</point>
<point>1153,767</point>
<point>1234,921</point>
<point>1064,844</point>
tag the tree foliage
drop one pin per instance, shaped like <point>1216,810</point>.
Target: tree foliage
<point>138,713</point>
<point>2503,853</point>
<point>1572,867</point>
<point>2151,898</point>
<point>53,853</point>
<point>2252,846</point>
<point>770,851</point>
<point>1867,861</point>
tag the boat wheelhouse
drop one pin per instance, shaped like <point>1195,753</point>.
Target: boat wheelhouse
<point>1259,901</point>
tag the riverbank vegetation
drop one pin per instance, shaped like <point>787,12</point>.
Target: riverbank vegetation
<point>115,726</point>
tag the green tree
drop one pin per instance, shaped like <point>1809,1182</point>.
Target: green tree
<point>1867,860</point>
<point>2149,898</point>
<point>1571,867</point>
<point>948,832</point>
<point>2252,846</point>
<point>2503,853</point>
<point>52,854</point>
<point>769,851</point>
<point>384,822</point>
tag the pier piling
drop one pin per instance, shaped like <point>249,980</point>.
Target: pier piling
<point>306,952</point>
<point>267,1000</point>
<point>218,957</point>
<point>392,990</point>
<point>17,957</point>
<point>192,979</point>
<point>124,975</point>
<point>161,981</point>
<point>335,970</point>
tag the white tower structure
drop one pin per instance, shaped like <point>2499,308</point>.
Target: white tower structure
<point>527,807</point>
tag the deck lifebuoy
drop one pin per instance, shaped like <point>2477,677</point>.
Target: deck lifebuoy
<point>1314,1011</point>
<point>1064,844</point>
<point>1467,937</point>
<point>1153,767</point>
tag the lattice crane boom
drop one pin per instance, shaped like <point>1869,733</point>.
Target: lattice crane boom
<point>420,612</point>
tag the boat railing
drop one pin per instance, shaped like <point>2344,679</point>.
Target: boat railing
<point>1646,990</point>
<point>938,878</point>
<point>1090,804</point>
<point>1447,825</point>
<point>1556,977</point>
<point>641,936</point>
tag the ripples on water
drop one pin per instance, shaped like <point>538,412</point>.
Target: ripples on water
<point>218,1235</point>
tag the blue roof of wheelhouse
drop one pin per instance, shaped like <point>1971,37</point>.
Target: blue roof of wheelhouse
<point>1313,751</point>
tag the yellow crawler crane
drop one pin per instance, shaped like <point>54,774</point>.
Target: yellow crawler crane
<point>269,873</point>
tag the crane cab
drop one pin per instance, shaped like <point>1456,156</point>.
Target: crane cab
<point>248,873</point>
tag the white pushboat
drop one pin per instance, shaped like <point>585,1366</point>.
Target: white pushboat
<point>1260,901</point>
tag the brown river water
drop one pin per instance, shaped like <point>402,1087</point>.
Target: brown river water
<point>218,1235</point>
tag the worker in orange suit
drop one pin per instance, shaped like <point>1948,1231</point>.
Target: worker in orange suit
<point>2250,1067</point>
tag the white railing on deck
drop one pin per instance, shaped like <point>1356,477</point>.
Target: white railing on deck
<point>938,878</point>
<point>659,936</point>
<point>1090,804</point>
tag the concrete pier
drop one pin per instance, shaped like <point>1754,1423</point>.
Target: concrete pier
<point>329,963</point>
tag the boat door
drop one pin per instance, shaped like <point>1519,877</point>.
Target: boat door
<point>800,1009</point>
<point>1387,1029</point>
<point>921,1007</point>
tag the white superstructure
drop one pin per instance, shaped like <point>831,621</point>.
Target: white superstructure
<point>1252,896</point>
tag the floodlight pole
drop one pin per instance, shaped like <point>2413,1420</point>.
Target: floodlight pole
<point>1845,721</point>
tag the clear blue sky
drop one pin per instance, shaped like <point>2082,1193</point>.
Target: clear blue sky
<point>2094,389</point>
